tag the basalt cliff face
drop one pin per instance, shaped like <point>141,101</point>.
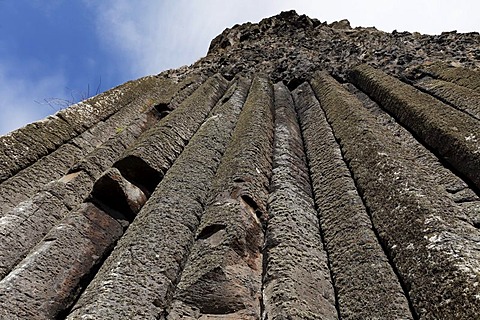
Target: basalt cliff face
<point>301,170</point>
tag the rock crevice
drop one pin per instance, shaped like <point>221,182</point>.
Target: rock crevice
<point>300,170</point>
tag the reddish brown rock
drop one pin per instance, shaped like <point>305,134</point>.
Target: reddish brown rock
<point>223,276</point>
<point>49,279</point>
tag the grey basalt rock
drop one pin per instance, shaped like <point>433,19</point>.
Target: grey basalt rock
<point>349,189</point>
<point>462,98</point>
<point>292,47</point>
<point>48,280</point>
<point>456,188</point>
<point>114,191</point>
<point>297,281</point>
<point>357,260</point>
<point>454,73</point>
<point>27,223</point>
<point>224,271</point>
<point>147,161</point>
<point>30,180</point>
<point>150,256</point>
<point>450,132</point>
<point>415,221</point>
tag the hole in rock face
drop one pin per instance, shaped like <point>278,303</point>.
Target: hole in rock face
<point>139,173</point>
<point>216,294</point>
<point>228,76</point>
<point>107,197</point>
<point>245,37</point>
<point>250,202</point>
<point>163,109</point>
<point>255,209</point>
<point>113,191</point>
<point>294,83</point>
<point>210,230</point>
<point>225,43</point>
<point>225,100</point>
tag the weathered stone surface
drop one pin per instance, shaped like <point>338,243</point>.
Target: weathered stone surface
<point>154,153</point>
<point>72,188</point>
<point>297,281</point>
<point>28,144</point>
<point>150,89</point>
<point>290,47</point>
<point>23,147</point>
<point>223,276</point>
<point>248,162</point>
<point>32,179</point>
<point>43,137</point>
<point>138,279</point>
<point>57,130</point>
<point>114,191</point>
<point>103,156</point>
<point>462,98</point>
<point>453,186</point>
<point>451,133</point>
<point>23,226</point>
<point>91,138</point>
<point>399,223</point>
<point>457,74</point>
<point>436,255</point>
<point>17,154</point>
<point>365,284</point>
<point>190,84</point>
<point>224,271</point>
<point>119,131</point>
<point>48,280</point>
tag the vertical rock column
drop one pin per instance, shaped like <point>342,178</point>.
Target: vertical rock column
<point>146,162</point>
<point>365,283</point>
<point>453,134</point>
<point>25,225</point>
<point>450,184</point>
<point>461,98</point>
<point>48,280</point>
<point>95,149</point>
<point>459,75</point>
<point>436,254</point>
<point>138,278</point>
<point>222,279</point>
<point>297,281</point>
<point>53,274</point>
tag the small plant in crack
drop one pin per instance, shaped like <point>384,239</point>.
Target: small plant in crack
<point>76,96</point>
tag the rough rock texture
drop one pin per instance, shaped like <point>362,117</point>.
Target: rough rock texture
<point>290,47</point>
<point>301,170</point>
<point>222,278</point>
<point>297,279</point>
<point>356,257</point>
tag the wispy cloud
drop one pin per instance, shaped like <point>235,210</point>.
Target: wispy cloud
<point>144,37</point>
<point>18,94</point>
<point>154,36</point>
<point>151,36</point>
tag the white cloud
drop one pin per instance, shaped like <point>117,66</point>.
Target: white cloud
<point>17,104</point>
<point>425,16</point>
<point>147,37</point>
<point>152,36</point>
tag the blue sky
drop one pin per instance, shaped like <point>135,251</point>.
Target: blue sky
<point>65,49</point>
